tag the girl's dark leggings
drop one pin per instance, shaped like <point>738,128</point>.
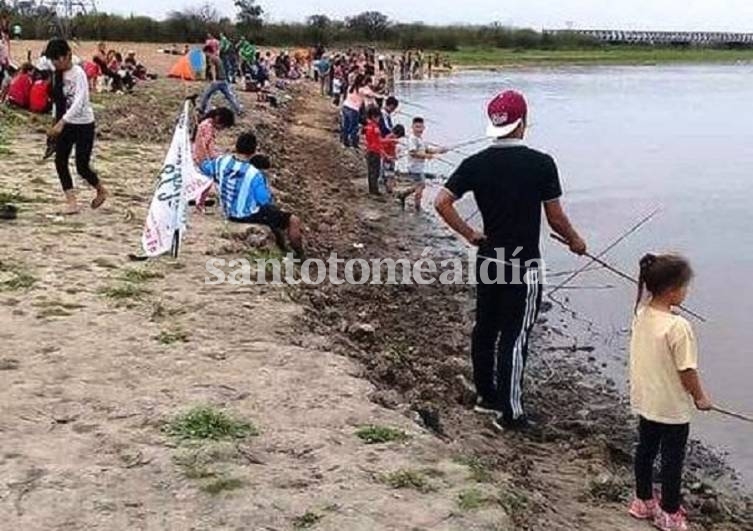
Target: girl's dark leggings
<point>670,440</point>
<point>82,137</point>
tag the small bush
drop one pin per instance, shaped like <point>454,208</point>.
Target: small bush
<point>380,434</point>
<point>220,485</point>
<point>202,423</point>
<point>408,479</point>
<point>168,337</point>
<point>306,520</point>
<point>15,278</point>
<point>125,291</point>
<point>471,499</point>
<point>140,275</point>
<point>479,471</point>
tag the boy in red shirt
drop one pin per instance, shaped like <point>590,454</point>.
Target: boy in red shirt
<point>373,148</point>
<point>389,156</point>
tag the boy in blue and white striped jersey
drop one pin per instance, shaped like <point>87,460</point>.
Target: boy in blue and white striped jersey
<point>245,195</point>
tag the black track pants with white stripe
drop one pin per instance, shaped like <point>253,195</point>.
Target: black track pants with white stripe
<point>505,315</point>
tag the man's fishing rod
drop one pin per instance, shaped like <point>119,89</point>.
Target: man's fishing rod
<point>621,274</point>
<point>611,246</point>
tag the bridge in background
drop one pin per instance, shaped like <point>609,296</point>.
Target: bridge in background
<point>673,38</point>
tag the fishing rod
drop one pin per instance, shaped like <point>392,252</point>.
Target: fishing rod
<point>621,274</point>
<point>611,246</point>
<point>416,105</point>
<point>427,120</point>
<point>455,147</point>
<point>733,414</point>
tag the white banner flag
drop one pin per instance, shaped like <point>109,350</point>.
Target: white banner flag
<point>179,181</point>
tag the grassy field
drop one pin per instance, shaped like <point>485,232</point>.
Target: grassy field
<point>488,57</point>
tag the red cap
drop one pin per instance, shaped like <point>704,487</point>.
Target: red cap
<point>506,111</point>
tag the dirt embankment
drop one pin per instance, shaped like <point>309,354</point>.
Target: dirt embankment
<point>359,417</point>
<point>413,344</point>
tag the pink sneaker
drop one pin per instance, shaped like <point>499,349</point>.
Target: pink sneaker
<point>671,522</point>
<point>643,510</point>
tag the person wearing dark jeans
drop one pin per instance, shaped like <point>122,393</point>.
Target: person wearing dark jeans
<point>350,122</point>
<point>82,137</point>
<point>671,440</point>
<point>75,128</point>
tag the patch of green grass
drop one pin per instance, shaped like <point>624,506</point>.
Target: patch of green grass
<point>380,434</point>
<point>17,197</point>
<point>207,423</point>
<point>58,304</point>
<point>53,311</point>
<point>140,275</point>
<point>121,292</point>
<point>223,484</point>
<point>515,503</point>
<point>484,56</point>
<point>168,337</point>
<point>306,520</point>
<point>14,277</point>
<point>408,479</point>
<point>478,470</point>
<point>471,499</point>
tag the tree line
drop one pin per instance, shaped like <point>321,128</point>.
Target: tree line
<point>371,27</point>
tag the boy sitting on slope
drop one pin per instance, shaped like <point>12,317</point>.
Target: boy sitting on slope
<point>245,194</point>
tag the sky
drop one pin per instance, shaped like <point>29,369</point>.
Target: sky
<point>691,15</point>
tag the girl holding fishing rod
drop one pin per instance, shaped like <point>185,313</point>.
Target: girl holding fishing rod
<point>664,387</point>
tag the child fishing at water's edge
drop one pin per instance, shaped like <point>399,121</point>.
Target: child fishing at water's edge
<point>664,386</point>
<point>373,137</point>
<point>418,153</point>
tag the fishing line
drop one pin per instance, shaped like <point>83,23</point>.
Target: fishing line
<point>406,115</point>
<point>624,275</point>
<point>611,246</point>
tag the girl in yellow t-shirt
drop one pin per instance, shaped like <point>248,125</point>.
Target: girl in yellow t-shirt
<point>664,386</point>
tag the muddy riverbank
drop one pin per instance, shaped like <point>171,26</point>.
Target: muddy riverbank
<point>413,341</point>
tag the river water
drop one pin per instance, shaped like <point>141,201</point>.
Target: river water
<point>628,140</point>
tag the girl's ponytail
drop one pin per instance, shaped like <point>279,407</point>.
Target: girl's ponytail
<point>644,264</point>
<point>659,273</point>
